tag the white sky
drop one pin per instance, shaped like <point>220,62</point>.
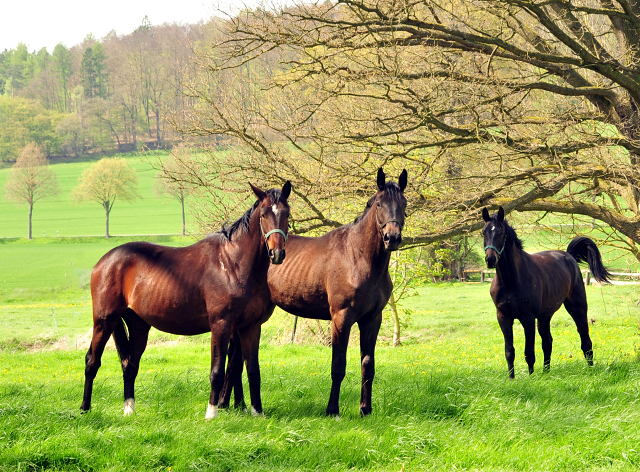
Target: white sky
<point>41,23</point>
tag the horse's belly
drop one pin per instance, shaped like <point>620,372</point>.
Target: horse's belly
<point>174,319</point>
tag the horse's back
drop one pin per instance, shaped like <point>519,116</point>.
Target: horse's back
<point>159,283</point>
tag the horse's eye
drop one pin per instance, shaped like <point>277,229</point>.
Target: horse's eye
<point>378,204</point>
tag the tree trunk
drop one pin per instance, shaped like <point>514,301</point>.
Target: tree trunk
<point>183,218</point>
<point>106,209</point>
<point>396,321</point>
<point>30,213</point>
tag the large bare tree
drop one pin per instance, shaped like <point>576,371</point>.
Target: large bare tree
<point>31,179</point>
<point>532,105</point>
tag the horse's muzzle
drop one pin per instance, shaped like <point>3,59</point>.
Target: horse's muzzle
<point>276,255</point>
<point>392,240</point>
<point>491,259</point>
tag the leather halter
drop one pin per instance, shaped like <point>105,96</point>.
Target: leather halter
<point>499,252</point>
<point>266,236</point>
<point>391,220</point>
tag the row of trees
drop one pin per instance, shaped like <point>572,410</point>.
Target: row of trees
<point>109,179</point>
<point>114,93</point>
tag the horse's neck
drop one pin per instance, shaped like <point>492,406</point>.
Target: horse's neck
<point>367,241</point>
<point>509,265</point>
<point>250,248</point>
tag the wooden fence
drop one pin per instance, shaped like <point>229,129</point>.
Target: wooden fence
<point>630,278</point>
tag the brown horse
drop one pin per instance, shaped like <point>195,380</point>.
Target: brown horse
<point>218,284</point>
<point>342,276</point>
<point>530,286</point>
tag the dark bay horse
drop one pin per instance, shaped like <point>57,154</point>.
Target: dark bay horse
<point>530,286</point>
<point>342,276</point>
<point>218,284</point>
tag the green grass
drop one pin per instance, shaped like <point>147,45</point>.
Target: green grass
<point>441,401</point>
<point>58,216</point>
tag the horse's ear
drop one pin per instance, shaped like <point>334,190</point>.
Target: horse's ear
<point>402,180</point>
<point>259,193</point>
<point>485,214</point>
<point>286,189</point>
<point>500,214</point>
<point>381,178</point>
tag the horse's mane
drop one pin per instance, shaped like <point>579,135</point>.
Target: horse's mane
<point>241,225</point>
<point>510,232</point>
<point>391,187</point>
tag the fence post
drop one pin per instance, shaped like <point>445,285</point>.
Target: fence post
<point>481,276</point>
<point>587,279</point>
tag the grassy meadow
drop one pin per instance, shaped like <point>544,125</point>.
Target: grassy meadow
<point>58,216</point>
<point>441,401</point>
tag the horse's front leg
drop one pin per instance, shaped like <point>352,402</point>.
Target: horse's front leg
<point>506,325</point>
<point>368,336</point>
<point>220,335</point>
<point>340,330</point>
<point>250,341</point>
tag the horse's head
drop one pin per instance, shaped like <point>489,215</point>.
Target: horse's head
<point>274,219</point>
<point>495,236</point>
<point>389,205</point>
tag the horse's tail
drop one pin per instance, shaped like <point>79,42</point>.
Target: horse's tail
<point>585,250</point>
<point>121,338</point>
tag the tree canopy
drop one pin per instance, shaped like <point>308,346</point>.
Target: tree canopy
<point>528,105</point>
<point>31,179</point>
<point>106,181</point>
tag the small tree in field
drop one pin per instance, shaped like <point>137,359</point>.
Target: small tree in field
<point>104,182</point>
<point>31,179</point>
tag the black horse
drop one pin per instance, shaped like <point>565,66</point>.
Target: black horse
<point>530,286</point>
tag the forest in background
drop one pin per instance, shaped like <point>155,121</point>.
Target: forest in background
<point>103,95</point>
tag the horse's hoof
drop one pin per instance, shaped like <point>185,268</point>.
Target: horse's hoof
<point>365,411</point>
<point>255,412</point>
<point>212,412</point>
<point>129,406</point>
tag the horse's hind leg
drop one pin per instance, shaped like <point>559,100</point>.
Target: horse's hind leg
<point>250,341</point>
<point>219,346</point>
<point>544,328</point>
<point>233,376</point>
<point>102,329</point>
<point>529,325</point>
<point>368,336</point>
<point>137,343</point>
<point>576,305</point>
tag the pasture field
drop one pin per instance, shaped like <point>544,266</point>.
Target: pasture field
<point>58,216</point>
<point>441,401</point>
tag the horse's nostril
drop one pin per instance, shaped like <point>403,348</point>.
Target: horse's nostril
<point>271,253</point>
<point>386,237</point>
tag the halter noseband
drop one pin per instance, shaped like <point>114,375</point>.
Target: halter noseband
<point>392,220</point>
<point>499,252</point>
<point>266,236</point>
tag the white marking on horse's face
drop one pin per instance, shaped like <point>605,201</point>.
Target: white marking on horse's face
<point>129,406</point>
<point>493,228</point>
<point>212,412</point>
<point>275,210</point>
<point>222,265</point>
<point>255,413</point>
